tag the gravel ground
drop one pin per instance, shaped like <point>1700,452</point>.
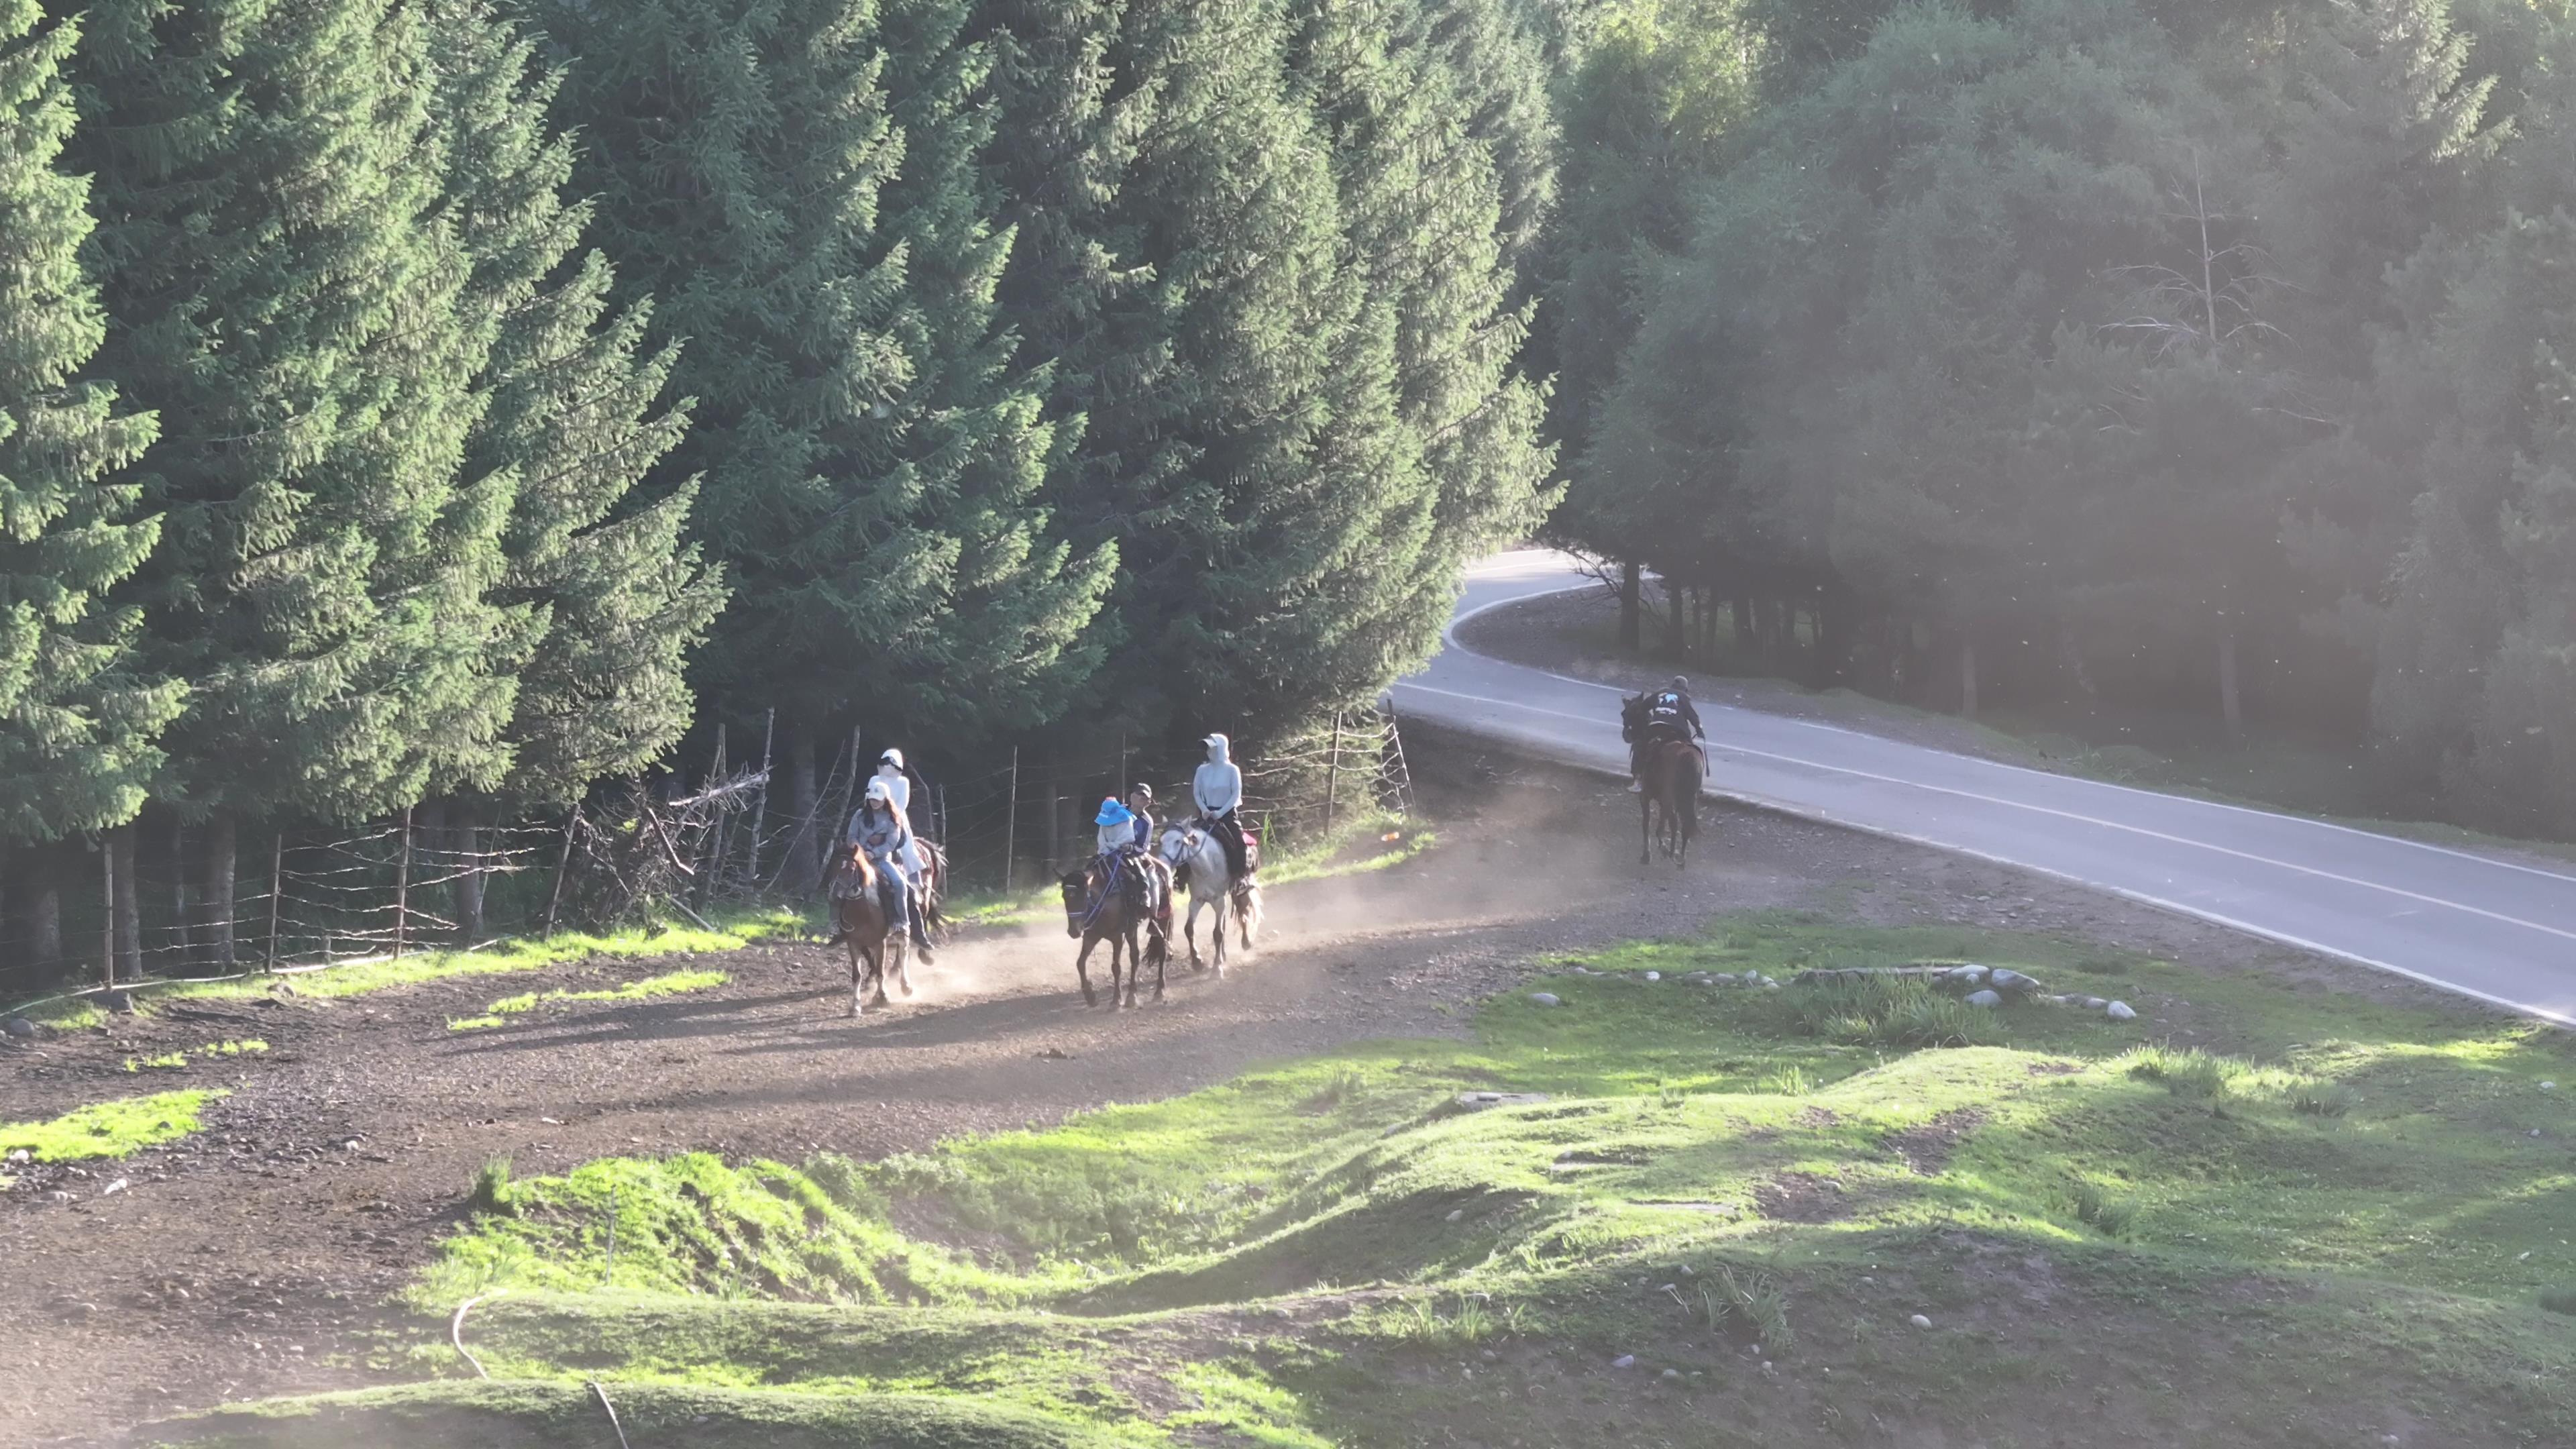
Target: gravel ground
<point>255,1257</point>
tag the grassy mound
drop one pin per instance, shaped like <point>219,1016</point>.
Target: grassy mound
<point>2260,1214</point>
<point>519,1415</point>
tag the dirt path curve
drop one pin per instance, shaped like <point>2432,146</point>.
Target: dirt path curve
<point>253,1258</point>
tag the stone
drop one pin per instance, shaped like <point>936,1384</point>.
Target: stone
<point>21,1157</point>
<point>1973,975</point>
<point>2011,981</point>
<point>121,1001</point>
<point>2549,1086</point>
<point>1920,1321</point>
<point>20,1027</point>
<point>1984,998</point>
<point>1672,1373</point>
<point>1454,1215</point>
<point>1625,1360</point>
<point>2094,1003</point>
<point>1479,1101</point>
<point>2120,1011</point>
<point>114,1188</point>
<point>1654,976</point>
<point>1546,998</point>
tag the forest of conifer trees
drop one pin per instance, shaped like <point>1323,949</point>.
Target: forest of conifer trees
<point>454,404</point>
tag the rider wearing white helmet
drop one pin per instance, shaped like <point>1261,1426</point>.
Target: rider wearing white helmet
<point>897,778</point>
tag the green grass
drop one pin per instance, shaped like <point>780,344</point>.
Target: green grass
<point>669,983</point>
<point>108,1129</point>
<point>2080,1206</point>
<point>174,1061</point>
<point>356,978</point>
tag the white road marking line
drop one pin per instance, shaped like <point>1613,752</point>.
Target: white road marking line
<point>2184,840</point>
<point>1449,637</point>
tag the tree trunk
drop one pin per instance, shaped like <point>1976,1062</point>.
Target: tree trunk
<point>1742,609</point>
<point>802,801</point>
<point>2227,680</point>
<point>45,908</point>
<point>1833,642</point>
<point>1675,642</point>
<point>129,907</point>
<point>2070,657</point>
<point>469,876</point>
<point>179,913</point>
<point>1630,585</point>
<point>1968,676</point>
<point>221,844</point>
<point>428,850</point>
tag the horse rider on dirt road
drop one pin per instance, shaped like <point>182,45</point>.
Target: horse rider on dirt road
<point>1670,715</point>
<point>1218,790</point>
<point>878,827</point>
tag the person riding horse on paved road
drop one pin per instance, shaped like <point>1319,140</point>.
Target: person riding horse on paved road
<point>1670,715</point>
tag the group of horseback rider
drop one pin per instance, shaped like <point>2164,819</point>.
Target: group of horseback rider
<point>1126,859</point>
<point>1667,714</point>
<point>881,827</point>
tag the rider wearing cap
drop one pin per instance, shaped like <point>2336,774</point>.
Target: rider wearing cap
<point>1218,790</point>
<point>1140,803</point>
<point>1670,715</point>
<point>879,828</point>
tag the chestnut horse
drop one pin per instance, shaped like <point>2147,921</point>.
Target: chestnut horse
<point>1116,919</point>
<point>876,948</point>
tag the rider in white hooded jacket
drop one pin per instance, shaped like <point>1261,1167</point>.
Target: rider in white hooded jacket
<point>1218,789</point>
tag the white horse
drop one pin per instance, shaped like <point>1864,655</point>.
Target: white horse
<point>1198,863</point>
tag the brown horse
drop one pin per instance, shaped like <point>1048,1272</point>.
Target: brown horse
<point>1116,919</point>
<point>1671,774</point>
<point>876,948</point>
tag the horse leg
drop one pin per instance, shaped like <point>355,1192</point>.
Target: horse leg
<point>1646,828</point>
<point>856,965</point>
<point>1247,913</point>
<point>1190,926</point>
<point>889,961</point>
<point>1218,910</point>
<point>1082,968</point>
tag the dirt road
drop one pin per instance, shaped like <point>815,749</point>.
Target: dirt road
<point>255,1257</point>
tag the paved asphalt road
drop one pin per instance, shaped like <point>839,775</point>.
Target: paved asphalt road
<point>2493,929</point>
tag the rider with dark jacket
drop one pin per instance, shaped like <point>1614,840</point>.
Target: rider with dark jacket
<point>1670,715</point>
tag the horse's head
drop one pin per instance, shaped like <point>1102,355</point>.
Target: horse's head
<point>1632,709</point>
<point>1176,843</point>
<point>854,859</point>
<point>1076,886</point>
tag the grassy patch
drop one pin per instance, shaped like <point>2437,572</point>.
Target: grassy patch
<point>669,983</point>
<point>108,1129</point>
<point>356,978</point>
<point>174,1061</point>
<point>2076,1207</point>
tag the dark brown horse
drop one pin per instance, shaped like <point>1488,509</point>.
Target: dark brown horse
<point>876,948</point>
<point>1671,773</point>
<point>1116,918</point>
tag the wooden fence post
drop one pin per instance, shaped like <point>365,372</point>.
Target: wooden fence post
<point>563,864</point>
<point>760,811</point>
<point>1055,829</point>
<point>107,934</point>
<point>1011,823</point>
<point>276,888</point>
<point>1333,775</point>
<point>402,885</point>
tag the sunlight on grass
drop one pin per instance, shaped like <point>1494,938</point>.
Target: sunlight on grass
<point>108,1129</point>
<point>669,983</point>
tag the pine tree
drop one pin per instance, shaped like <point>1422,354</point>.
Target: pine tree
<point>285,294</point>
<point>793,180</point>
<point>571,413</point>
<point>78,722</point>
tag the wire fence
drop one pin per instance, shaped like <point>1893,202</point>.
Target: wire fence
<point>147,902</point>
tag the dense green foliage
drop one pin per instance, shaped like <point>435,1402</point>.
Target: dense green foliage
<point>2100,352</point>
<point>490,392</point>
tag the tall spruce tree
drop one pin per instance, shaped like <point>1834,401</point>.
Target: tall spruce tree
<point>285,293</point>
<point>573,413</point>
<point>78,721</point>
<point>795,181</point>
